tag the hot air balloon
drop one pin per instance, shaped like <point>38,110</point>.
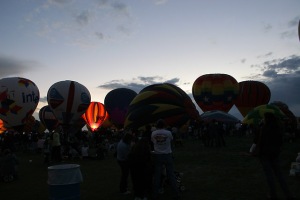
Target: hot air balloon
<point>251,95</point>
<point>220,116</point>
<point>161,101</point>
<point>19,98</point>
<point>95,115</point>
<point>68,101</point>
<point>2,128</point>
<point>48,118</point>
<point>117,102</point>
<point>256,115</point>
<point>215,92</point>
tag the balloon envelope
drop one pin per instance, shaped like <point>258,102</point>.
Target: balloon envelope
<point>251,95</point>
<point>117,102</point>
<point>95,115</point>
<point>19,98</point>
<point>219,116</point>
<point>256,115</point>
<point>161,101</point>
<point>68,101</point>
<point>215,92</point>
<point>48,118</point>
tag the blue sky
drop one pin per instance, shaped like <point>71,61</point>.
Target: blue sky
<point>106,44</point>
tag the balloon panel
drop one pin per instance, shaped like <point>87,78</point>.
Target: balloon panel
<point>160,101</point>
<point>95,115</point>
<point>215,92</point>
<point>68,101</point>
<point>251,95</point>
<point>117,102</point>
<point>19,98</point>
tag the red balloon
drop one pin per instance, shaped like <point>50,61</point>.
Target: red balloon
<point>215,92</point>
<point>95,115</point>
<point>251,95</point>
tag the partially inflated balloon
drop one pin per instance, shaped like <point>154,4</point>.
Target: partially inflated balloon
<point>251,95</point>
<point>19,98</point>
<point>256,115</point>
<point>95,115</point>
<point>215,92</point>
<point>161,101</point>
<point>48,118</point>
<point>68,101</point>
<point>117,102</point>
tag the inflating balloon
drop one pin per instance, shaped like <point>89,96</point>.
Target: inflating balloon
<point>117,102</point>
<point>95,115</point>
<point>19,98</point>
<point>48,118</point>
<point>161,101</point>
<point>215,92</point>
<point>251,95</point>
<point>256,115</point>
<point>68,101</point>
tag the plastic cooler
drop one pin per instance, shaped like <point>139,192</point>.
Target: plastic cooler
<point>64,182</point>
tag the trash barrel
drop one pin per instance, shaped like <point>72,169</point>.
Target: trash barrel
<point>64,182</point>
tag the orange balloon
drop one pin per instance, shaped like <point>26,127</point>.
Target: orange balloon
<point>2,128</point>
<point>95,115</point>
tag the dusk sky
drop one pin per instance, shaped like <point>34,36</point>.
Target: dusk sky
<point>108,44</point>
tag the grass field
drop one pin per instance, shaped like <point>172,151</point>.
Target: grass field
<point>224,173</point>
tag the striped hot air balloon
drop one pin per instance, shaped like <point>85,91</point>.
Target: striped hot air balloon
<point>95,115</point>
<point>215,92</point>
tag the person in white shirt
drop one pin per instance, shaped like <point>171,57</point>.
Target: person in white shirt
<point>162,139</point>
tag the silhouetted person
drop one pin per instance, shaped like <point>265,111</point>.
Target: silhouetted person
<point>123,149</point>
<point>270,141</point>
<point>141,168</point>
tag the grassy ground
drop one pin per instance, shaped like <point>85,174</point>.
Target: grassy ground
<point>208,173</point>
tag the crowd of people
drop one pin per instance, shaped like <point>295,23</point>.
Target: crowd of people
<point>144,156</point>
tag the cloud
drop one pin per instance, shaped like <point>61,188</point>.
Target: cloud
<point>267,27</point>
<point>137,84</point>
<point>13,67</point>
<point>81,24</point>
<point>83,18</point>
<point>291,27</point>
<point>159,2</point>
<point>282,76</point>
